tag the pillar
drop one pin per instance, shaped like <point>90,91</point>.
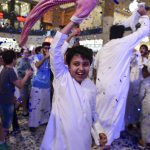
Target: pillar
<point>108,18</point>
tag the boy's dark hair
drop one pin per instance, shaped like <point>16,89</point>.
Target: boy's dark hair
<point>8,56</point>
<point>46,44</point>
<point>116,31</point>
<point>85,53</point>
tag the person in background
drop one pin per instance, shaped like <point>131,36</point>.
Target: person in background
<point>113,69</point>
<point>144,97</point>
<point>8,81</point>
<point>3,145</point>
<point>15,124</point>
<point>24,64</point>
<point>133,107</point>
<point>39,102</point>
<point>144,55</point>
<point>37,50</point>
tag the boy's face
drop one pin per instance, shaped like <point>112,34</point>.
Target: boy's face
<point>79,68</point>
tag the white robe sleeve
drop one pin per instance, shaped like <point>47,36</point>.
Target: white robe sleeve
<point>96,130</point>
<point>136,36</point>
<point>132,21</point>
<point>64,48</point>
<point>96,126</point>
<point>57,60</point>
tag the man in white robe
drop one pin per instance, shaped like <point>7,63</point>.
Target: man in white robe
<point>112,81</point>
<point>73,114</point>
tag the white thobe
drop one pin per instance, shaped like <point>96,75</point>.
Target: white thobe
<point>73,108</point>
<point>113,79</point>
<point>144,96</point>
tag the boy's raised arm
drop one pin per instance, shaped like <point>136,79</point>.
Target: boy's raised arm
<point>82,11</point>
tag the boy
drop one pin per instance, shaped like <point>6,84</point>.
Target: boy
<point>113,66</point>
<point>73,110</point>
<point>39,102</point>
<point>8,81</point>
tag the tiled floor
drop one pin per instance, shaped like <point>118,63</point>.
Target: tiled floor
<point>31,141</point>
<point>26,140</point>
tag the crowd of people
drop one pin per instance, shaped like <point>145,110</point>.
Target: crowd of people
<point>31,77</point>
<point>53,86</point>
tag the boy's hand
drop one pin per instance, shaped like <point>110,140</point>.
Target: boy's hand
<point>102,139</point>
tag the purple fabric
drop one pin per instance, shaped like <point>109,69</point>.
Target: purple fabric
<point>44,5</point>
<point>36,13</point>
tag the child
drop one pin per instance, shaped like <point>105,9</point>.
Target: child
<point>8,81</point>
<point>145,98</point>
<point>113,66</point>
<point>73,109</point>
